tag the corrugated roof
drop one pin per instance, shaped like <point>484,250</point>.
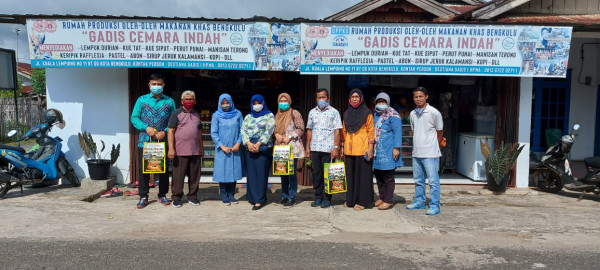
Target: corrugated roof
<point>592,19</point>
<point>21,18</point>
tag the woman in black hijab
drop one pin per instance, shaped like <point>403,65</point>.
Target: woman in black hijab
<point>358,139</point>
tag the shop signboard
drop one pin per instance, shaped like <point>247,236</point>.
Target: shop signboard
<point>164,44</point>
<point>435,49</point>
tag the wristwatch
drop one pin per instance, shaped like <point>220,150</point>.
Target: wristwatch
<point>336,147</point>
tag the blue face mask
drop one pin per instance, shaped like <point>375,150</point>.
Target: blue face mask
<point>381,107</point>
<point>322,104</point>
<point>156,89</point>
<point>284,106</point>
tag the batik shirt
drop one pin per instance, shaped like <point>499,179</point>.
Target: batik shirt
<point>260,129</point>
<point>151,112</point>
<point>323,123</point>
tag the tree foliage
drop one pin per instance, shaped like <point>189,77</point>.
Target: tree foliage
<point>38,80</point>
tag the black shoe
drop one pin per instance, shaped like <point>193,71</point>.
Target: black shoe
<point>289,203</point>
<point>257,207</point>
<point>325,204</point>
<point>282,201</point>
<point>316,203</point>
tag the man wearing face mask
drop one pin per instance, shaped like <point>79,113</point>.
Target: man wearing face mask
<point>322,143</point>
<point>150,116</point>
<point>185,149</point>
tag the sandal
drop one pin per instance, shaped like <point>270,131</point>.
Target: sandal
<point>385,206</point>
<point>378,203</point>
<point>358,207</point>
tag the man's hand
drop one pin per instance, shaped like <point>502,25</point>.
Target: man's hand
<point>171,153</point>
<point>335,153</point>
<point>159,135</point>
<point>150,130</point>
<point>307,151</point>
<point>396,153</point>
<point>286,140</point>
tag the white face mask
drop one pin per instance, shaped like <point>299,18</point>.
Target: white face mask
<point>257,107</point>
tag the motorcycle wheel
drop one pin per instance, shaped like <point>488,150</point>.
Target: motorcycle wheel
<point>4,185</point>
<point>70,175</point>
<point>548,182</point>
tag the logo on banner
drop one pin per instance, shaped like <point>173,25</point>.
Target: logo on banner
<point>340,41</point>
<point>42,26</point>
<point>236,39</point>
<point>317,31</point>
<point>508,43</point>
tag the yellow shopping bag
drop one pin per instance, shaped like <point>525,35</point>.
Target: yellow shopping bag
<point>335,177</point>
<point>283,160</point>
<point>153,157</point>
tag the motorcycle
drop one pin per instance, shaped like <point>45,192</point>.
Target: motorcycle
<point>552,171</point>
<point>44,165</point>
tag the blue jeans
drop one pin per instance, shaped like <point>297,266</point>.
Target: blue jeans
<point>427,168</point>
<point>289,184</point>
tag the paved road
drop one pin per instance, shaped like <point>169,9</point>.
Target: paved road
<point>148,254</point>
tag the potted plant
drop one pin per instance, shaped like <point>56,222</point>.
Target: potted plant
<point>499,164</point>
<point>98,166</point>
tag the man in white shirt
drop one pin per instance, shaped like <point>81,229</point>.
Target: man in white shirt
<point>427,126</point>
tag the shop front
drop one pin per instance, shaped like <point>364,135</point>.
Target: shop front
<point>96,78</point>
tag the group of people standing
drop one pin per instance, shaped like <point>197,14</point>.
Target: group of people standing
<point>368,142</point>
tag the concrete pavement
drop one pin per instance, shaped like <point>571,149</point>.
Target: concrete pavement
<point>475,229</point>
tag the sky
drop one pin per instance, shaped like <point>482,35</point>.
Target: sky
<point>234,9</point>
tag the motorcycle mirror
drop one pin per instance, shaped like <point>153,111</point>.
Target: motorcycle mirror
<point>61,124</point>
<point>11,133</point>
<point>576,127</point>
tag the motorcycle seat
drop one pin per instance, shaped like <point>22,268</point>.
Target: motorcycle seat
<point>592,162</point>
<point>13,148</point>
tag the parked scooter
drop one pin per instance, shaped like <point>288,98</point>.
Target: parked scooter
<point>43,165</point>
<point>552,172</point>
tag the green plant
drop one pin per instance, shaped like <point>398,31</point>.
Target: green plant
<point>90,148</point>
<point>38,80</point>
<point>503,159</point>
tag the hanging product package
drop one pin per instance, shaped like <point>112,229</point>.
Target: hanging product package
<point>153,157</point>
<point>283,160</point>
<point>335,177</point>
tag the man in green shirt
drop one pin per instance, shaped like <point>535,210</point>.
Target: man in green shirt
<point>150,116</point>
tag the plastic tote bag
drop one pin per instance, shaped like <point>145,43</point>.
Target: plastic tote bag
<point>335,177</point>
<point>153,157</point>
<point>283,160</point>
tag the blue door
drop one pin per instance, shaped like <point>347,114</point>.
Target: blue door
<point>550,108</point>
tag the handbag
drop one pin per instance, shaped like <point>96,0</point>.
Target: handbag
<point>335,177</point>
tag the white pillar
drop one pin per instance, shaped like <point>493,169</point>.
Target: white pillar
<point>524,131</point>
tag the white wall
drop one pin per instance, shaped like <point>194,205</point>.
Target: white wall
<point>94,100</point>
<point>584,97</point>
<point>524,131</point>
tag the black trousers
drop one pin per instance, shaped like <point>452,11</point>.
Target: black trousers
<point>359,177</point>
<point>144,179</point>
<point>318,160</point>
<point>386,184</point>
